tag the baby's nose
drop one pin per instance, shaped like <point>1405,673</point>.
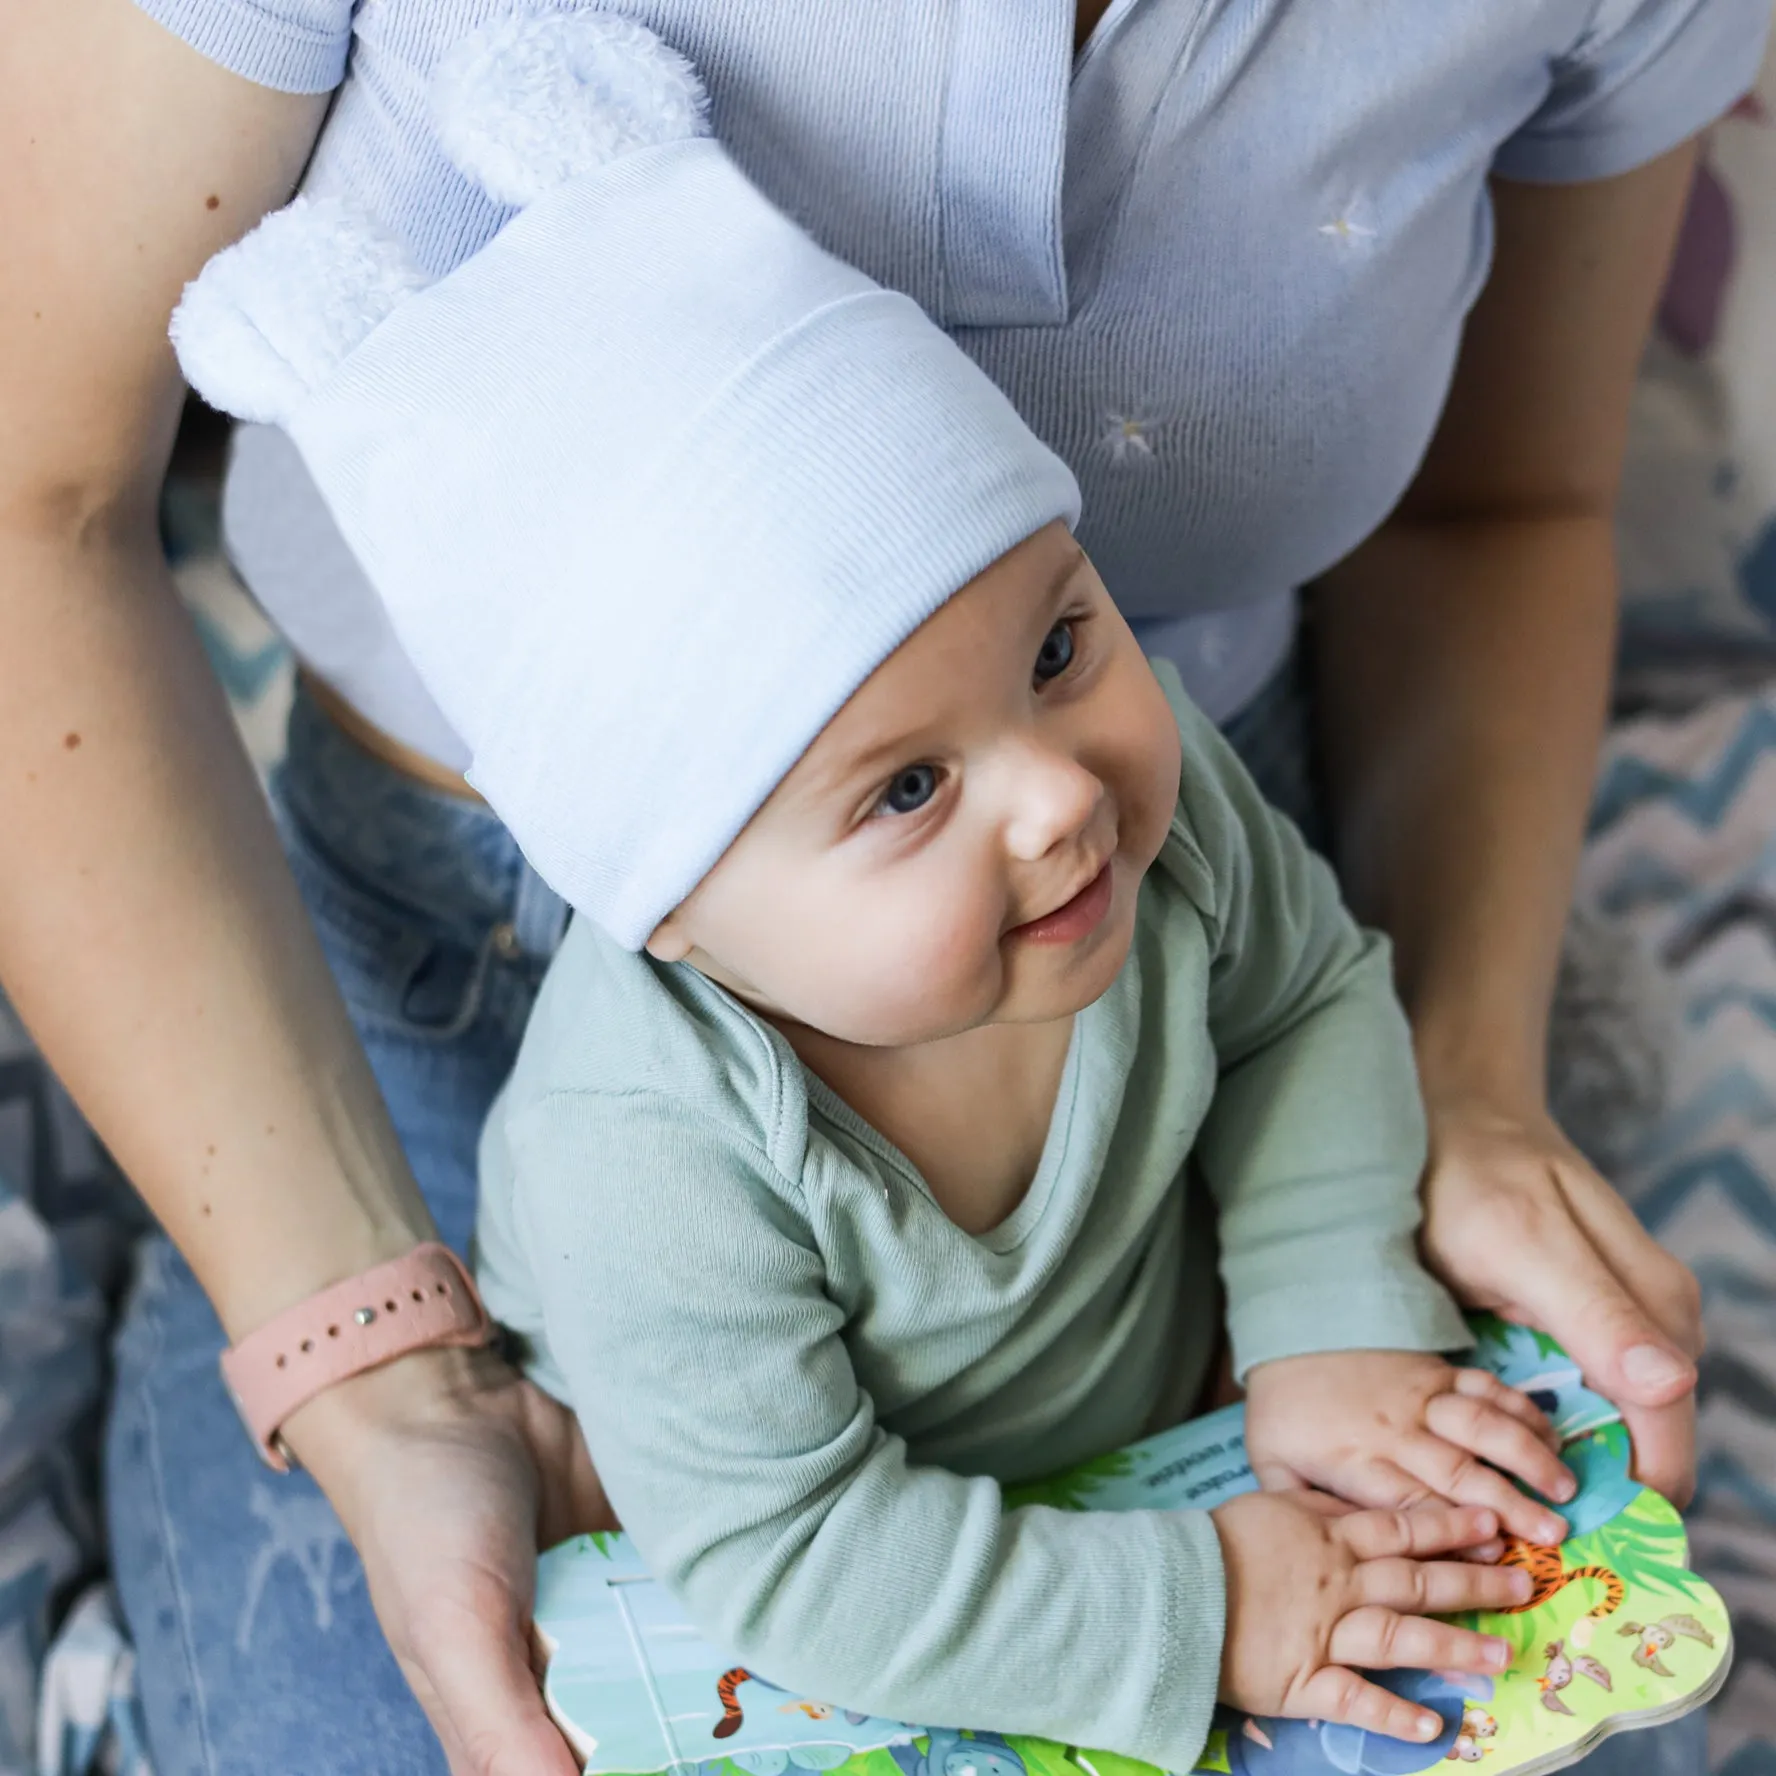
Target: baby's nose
<point>1056,799</point>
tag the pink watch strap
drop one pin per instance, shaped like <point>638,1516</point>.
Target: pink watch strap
<point>423,1299</point>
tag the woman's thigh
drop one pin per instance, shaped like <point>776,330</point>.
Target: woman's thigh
<point>258,1650</point>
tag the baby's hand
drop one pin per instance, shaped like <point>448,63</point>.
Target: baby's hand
<point>1390,1428</point>
<point>1314,1588</point>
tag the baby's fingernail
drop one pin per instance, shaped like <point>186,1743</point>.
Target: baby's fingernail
<point>1565,1489</point>
<point>1649,1366</point>
<point>1428,1726</point>
<point>1549,1528</point>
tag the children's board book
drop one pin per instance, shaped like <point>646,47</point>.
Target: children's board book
<point>1618,1634</point>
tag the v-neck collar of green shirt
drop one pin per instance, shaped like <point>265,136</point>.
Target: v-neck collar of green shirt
<point>1099,1054</point>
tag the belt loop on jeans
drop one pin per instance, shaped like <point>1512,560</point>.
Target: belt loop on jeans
<point>539,915</point>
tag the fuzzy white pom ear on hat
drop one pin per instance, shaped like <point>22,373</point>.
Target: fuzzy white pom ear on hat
<point>527,103</point>
<point>270,318</point>
<point>523,105</point>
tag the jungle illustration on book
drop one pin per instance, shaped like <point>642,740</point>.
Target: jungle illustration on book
<point>1617,1634</point>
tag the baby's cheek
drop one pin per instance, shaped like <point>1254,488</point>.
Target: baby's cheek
<point>933,964</point>
<point>880,963</point>
<point>1153,772</point>
<point>953,966</point>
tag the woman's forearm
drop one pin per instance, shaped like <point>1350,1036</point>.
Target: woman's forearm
<point>1465,649</point>
<point>1462,671</point>
<point>153,939</point>
<point>1465,653</point>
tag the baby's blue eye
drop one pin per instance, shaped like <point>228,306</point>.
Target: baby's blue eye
<point>1055,654</point>
<point>910,790</point>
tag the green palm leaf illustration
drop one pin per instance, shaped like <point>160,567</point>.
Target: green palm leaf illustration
<point>1073,1490</point>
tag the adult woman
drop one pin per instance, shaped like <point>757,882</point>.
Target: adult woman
<point>1222,255</point>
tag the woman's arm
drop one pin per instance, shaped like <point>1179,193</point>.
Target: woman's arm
<point>150,933</point>
<point>1463,661</point>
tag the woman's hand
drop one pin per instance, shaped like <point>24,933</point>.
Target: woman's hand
<point>1518,1222</point>
<point>449,1472</point>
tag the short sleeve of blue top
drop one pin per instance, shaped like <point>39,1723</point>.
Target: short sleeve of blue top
<point>1220,259</point>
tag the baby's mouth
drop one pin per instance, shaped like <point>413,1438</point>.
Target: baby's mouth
<point>1074,918</point>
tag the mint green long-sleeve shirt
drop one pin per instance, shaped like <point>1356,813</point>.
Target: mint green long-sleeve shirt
<point>802,1383</point>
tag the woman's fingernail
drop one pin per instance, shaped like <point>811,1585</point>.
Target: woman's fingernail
<point>1647,1365</point>
<point>1522,1584</point>
<point>1551,1529</point>
<point>1567,1489</point>
<point>1428,1726</point>
<point>1498,1652</point>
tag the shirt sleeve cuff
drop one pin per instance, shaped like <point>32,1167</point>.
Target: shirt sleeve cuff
<point>1365,1309</point>
<point>257,45</point>
<point>1196,1626</point>
<point>1700,82</point>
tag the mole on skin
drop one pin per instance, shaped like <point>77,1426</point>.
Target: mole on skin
<point>212,202</point>
<point>70,741</point>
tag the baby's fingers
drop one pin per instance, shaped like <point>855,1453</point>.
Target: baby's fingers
<point>1440,1587</point>
<point>1335,1694</point>
<point>1379,1639</point>
<point>1502,1439</point>
<point>1481,1384</point>
<point>1457,1473</point>
<point>1430,1528</point>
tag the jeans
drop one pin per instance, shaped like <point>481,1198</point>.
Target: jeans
<point>259,1654</point>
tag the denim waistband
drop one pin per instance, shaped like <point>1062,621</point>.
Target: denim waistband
<point>444,857</point>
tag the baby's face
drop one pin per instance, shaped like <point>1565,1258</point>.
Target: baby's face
<point>964,841</point>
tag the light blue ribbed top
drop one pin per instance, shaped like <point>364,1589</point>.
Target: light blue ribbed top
<point>1220,260</point>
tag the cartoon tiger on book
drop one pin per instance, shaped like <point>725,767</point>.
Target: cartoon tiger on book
<point>733,1715</point>
<point>1551,1575</point>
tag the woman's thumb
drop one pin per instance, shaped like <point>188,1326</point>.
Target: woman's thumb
<point>1653,1374</point>
<point>1566,1289</point>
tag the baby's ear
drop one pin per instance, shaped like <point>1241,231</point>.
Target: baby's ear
<point>527,103</point>
<point>270,318</point>
<point>669,941</point>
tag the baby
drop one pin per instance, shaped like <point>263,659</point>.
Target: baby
<point>898,1165</point>
<point>951,1052</point>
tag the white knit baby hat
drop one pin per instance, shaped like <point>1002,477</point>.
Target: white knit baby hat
<point>650,484</point>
